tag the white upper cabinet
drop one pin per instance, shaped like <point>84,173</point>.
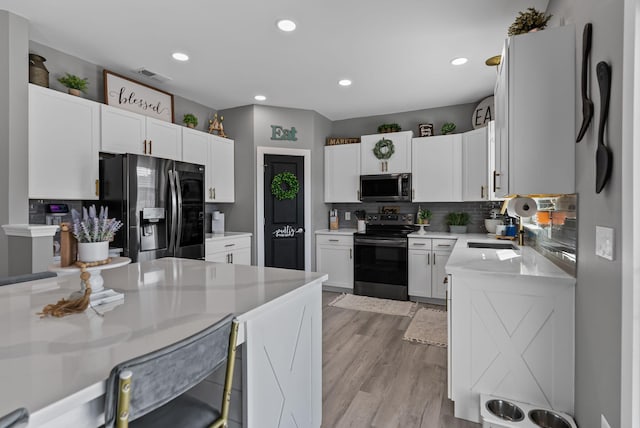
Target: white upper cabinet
<point>217,155</point>
<point>64,139</point>
<point>342,173</point>
<point>535,114</point>
<point>127,132</point>
<point>399,162</point>
<point>164,139</point>
<point>436,168</point>
<point>474,165</point>
<point>222,169</point>
<point>123,131</point>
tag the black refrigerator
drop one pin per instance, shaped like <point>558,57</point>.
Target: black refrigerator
<point>160,202</point>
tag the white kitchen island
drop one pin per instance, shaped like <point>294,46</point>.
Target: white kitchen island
<point>57,368</point>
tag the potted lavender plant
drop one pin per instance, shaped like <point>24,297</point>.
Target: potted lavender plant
<point>93,233</point>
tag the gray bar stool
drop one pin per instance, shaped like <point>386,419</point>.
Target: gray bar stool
<point>15,419</point>
<point>148,391</point>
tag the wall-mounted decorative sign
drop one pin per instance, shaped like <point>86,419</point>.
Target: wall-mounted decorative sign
<point>483,113</point>
<point>122,92</point>
<point>333,141</point>
<point>425,129</point>
<point>279,133</point>
<point>286,232</point>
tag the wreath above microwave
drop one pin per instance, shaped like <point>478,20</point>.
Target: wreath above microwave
<point>383,149</point>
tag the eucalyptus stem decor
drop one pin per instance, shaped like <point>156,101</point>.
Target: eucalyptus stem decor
<point>292,186</point>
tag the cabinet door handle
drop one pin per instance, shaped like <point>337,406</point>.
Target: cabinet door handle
<point>150,148</point>
<point>481,192</point>
<point>428,258</point>
<point>214,193</point>
<point>495,174</point>
<point>97,187</point>
<point>231,258</point>
<point>413,194</point>
<point>434,259</point>
<point>145,147</point>
<point>350,253</point>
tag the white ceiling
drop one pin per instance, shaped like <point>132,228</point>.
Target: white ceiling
<point>396,53</point>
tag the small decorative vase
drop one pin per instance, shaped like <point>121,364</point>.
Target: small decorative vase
<point>75,92</point>
<point>93,251</point>
<point>457,229</point>
<point>38,73</point>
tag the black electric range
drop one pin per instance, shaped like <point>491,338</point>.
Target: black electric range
<point>381,257</point>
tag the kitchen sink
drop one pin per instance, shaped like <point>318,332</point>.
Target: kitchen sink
<point>493,245</point>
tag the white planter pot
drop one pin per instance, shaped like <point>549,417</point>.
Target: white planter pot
<point>93,251</point>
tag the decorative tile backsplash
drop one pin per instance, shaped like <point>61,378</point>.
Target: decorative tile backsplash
<point>477,210</point>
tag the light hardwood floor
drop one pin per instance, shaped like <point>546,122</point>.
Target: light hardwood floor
<point>373,378</point>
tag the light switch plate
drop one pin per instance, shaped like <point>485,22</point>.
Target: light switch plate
<point>604,242</point>
<point>347,215</point>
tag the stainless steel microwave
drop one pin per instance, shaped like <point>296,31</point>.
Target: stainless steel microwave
<point>385,187</point>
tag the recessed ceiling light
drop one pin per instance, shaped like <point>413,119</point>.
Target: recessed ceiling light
<point>286,25</point>
<point>179,56</point>
<point>260,98</point>
<point>459,61</point>
<point>344,82</point>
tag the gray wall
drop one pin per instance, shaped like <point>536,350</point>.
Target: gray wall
<point>409,120</point>
<point>58,63</point>
<point>598,291</point>
<point>14,113</point>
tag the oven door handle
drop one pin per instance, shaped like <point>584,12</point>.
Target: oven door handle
<point>381,243</point>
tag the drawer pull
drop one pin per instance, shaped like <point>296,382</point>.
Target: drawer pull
<point>444,245</point>
<point>419,245</point>
<point>229,245</point>
<point>334,240</point>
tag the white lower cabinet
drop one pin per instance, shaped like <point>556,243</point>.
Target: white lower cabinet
<point>334,256</point>
<point>512,336</point>
<point>229,249</point>
<point>427,258</point>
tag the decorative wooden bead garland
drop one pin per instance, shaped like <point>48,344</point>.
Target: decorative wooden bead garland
<point>66,307</point>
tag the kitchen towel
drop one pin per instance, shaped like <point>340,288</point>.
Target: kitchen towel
<point>522,207</point>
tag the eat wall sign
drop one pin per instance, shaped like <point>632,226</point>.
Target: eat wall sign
<point>278,133</point>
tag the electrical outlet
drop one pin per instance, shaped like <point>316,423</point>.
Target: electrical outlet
<point>603,422</point>
<point>604,242</point>
<point>347,215</point>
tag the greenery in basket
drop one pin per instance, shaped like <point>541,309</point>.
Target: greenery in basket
<point>74,82</point>
<point>190,119</point>
<point>448,128</point>
<point>424,215</point>
<point>458,219</point>
<point>389,127</point>
<point>529,20</point>
<point>94,228</point>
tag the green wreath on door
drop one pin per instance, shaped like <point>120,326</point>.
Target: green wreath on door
<point>290,188</point>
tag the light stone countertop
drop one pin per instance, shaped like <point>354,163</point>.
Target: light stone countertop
<point>345,231</point>
<point>52,359</point>
<point>529,262</point>
<point>216,236</point>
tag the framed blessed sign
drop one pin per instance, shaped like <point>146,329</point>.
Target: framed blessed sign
<point>122,92</point>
